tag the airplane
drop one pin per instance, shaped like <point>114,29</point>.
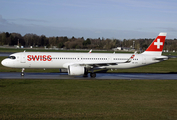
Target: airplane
<point>81,63</point>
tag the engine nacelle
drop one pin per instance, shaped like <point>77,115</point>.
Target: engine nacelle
<point>76,70</point>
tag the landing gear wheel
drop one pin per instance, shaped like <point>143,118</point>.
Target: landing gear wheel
<point>22,73</point>
<point>92,75</point>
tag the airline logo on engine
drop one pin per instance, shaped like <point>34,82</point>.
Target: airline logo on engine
<point>39,58</point>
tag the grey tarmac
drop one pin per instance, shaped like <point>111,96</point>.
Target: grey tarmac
<point>111,76</point>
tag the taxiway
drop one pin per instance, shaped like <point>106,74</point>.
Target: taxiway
<point>127,76</point>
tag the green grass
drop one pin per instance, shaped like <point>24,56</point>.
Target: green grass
<point>88,99</point>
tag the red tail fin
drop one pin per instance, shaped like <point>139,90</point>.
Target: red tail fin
<point>156,46</point>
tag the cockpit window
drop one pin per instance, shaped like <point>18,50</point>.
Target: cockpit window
<point>12,57</point>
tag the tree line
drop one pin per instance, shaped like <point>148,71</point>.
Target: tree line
<point>34,40</point>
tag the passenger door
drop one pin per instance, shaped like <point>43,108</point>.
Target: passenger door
<point>23,58</point>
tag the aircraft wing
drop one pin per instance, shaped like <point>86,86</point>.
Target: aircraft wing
<point>107,63</point>
<point>98,64</point>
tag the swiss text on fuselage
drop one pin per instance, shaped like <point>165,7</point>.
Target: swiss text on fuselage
<point>39,58</point>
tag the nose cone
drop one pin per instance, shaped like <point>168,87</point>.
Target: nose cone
<point>4,62</point>
<point>8,63</point>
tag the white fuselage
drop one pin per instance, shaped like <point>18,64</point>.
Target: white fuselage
<point>62,60</point>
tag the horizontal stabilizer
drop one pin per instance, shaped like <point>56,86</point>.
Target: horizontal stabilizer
<point>161,58</point>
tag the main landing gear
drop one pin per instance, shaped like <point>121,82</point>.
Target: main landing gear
<point>85,73</point>
<point>22,73</point>
<point>92,75</point>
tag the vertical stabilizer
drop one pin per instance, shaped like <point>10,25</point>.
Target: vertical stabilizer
<point>156,46</point>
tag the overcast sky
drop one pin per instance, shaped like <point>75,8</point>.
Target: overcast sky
<point>120,19</point>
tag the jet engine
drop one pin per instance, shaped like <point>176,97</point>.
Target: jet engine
<point>76,70</point>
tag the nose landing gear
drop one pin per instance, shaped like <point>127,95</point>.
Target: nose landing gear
<point>22,73</point>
